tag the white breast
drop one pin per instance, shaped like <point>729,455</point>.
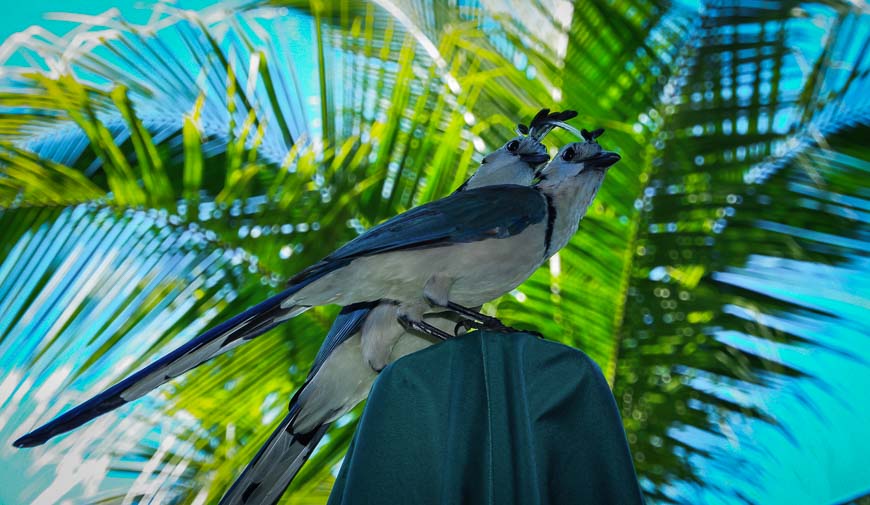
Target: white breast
<point>571,201</point>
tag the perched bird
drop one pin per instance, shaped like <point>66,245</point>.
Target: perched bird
<point>363,340</point>
<point>516,161</point>
<point>339,379</point>
<point>462,250</point>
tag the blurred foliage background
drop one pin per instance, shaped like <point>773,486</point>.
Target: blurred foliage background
<point>161,169</point>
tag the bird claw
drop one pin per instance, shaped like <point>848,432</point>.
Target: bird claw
<point>486,323</point>
<point>510,329</point>
<point>462,327</point>
<point>493,324</point>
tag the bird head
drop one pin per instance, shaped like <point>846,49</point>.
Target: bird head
<point>586,159</point>
<point>519,159</point>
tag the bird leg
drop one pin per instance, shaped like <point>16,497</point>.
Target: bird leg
<point>473,319</point>
<point>437,291</point>
<point>486,322</point>
<point>423,327</point>
<point>497,326</point>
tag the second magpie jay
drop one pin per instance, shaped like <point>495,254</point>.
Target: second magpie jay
<point>516,161</point>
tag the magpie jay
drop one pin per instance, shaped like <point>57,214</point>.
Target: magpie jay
<point>339,379</point>
<point>516,161</point>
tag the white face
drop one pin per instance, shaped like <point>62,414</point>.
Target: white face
<point>518,149</point>
<point>514,163</point>
<point>577,158</point>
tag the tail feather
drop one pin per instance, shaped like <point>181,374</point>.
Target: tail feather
<point>272,470</point>
<point>218,340</point>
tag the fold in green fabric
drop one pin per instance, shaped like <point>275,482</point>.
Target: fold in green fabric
<point>489,418</point>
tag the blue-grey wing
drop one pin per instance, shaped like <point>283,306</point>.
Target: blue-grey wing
<point>468,216</point>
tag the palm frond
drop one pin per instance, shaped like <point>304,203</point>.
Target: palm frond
<point>157,178</point>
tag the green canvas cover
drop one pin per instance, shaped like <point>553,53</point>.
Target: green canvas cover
<point>489,418</point>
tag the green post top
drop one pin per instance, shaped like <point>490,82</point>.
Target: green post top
<point>489,418</point>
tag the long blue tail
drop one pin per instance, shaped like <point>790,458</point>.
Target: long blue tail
<point>218,340</point>
<point>272,470</point>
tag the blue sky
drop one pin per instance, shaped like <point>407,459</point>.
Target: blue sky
<point>19,15</point>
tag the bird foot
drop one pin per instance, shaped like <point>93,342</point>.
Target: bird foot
<point>511,329</point>
<point>463,327</point>
<point>490,324</point>
<point>493,324</point>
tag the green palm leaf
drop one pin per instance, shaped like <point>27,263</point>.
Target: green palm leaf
<point>170,175</point>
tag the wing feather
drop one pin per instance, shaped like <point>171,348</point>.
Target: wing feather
<point>467,216</point>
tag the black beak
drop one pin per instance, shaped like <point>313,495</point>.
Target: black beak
<point>601,160</point>
<point>535,158</point>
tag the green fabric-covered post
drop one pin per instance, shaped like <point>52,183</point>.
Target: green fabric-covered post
<point>489,418</point>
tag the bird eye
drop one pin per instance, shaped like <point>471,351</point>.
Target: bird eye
<point>513,145</point>
<point>568,155</point>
